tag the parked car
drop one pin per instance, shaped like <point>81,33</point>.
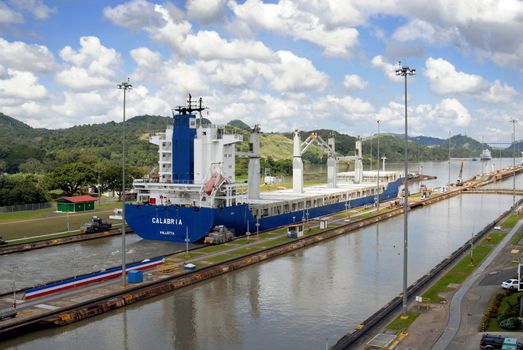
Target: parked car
<point>491,342</point>
<point>511,284</point>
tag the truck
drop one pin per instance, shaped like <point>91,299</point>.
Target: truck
<point>8,313</point>
<point>96,225</point>
<point>220,235</point>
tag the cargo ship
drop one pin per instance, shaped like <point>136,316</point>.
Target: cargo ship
<point>196,191</point>
<point>485,155</point>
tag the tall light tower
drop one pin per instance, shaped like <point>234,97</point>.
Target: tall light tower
<point>123,86</point>
<point>405,71</point>
<point>448,183</point>
<point>514,121</point>
<point>378,169</point>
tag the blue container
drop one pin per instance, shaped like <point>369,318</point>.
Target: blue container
<point>135,276</point>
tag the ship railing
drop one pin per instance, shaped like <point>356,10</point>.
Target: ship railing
<point>176,182</point>
<point>231,194</point>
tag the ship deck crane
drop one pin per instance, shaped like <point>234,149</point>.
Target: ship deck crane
<point>328,147</point>
<point>459,181</point>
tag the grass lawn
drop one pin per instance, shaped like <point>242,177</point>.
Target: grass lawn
<point>184,256</point>
<point>510,221</point>
<point>457,274</point>
<point>39,222</point>
<point>517,237</point>
<point>312,231</point>
<point>240,241</point>
<point>219,258</point>
<point>495,237</point>
<point>402,325</point>
<point>275,242</point>
<point>246,250</point>
<point>213,249</point>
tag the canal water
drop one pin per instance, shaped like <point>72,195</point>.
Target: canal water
<point>35,267</point>
<point>297,301</point>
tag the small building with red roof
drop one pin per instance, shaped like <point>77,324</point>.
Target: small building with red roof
<point>75,204</point>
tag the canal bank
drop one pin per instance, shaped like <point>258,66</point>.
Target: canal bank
<point>358,337</point>
<point>339,281</point>
<point>450,207</point>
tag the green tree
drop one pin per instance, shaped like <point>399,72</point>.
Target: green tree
<point>111,177</point>
<point>70,177</point>
<point>20,189</point>
<point>31,166</point>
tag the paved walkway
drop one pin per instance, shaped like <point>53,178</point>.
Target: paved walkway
<point>455,311</point>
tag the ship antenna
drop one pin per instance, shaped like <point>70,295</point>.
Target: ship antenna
<point>190,107</point>
<point>200,110</point>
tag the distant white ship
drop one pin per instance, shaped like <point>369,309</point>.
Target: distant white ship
<point>485,155</point>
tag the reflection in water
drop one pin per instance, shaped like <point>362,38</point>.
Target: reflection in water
<point>182,311</point>
<point>294,301</point>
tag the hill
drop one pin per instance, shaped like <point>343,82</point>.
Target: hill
<point>43,150</point>
<point>239,124</point>
<point>422,140</point>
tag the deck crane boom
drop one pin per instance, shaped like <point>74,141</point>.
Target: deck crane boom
<point>459,181</point>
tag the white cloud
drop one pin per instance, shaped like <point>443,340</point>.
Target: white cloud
<point>352,106</point>
<point>299,20</point>
<point>445,80</point>
<point>134,14</point>
<point>387,68</point>
<point>163,26</point>
<point>354,81</point>
<point>450,112</point>
<point>488,28</point>
<point>427,119</point>
<point>85,104</point>
<point>498,93</point>
<point>26,57</point>
<point>294,73</point>
<point>92,66</point>
<point>147,62</point>
<point>205,11</point>
<point>236,74</point>
<point>21,85</point>
<point>78,79</point>
<point>419,29</point>
<point>37,8</point>
<point>8,16</point>
<point>209,45</point>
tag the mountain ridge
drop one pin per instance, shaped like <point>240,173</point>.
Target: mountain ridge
<point>58,146</point>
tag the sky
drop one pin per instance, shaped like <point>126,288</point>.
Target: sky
<point>301,64</point>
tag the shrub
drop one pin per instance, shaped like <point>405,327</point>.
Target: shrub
<point>510,323</point>
<point>491,311</point>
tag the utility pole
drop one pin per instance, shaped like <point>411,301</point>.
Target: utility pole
<point>448,183</point>
<point>123,86</point>
<point>378,173</point>
<point>405,71</point>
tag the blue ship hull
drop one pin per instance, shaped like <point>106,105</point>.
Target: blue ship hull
<point>176,223</point>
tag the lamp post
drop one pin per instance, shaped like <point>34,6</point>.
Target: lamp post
<point>123,86</point>
<point>448,183</point>
<point>405,71</point>
<point>513,121</point>
<point>378,173</point>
